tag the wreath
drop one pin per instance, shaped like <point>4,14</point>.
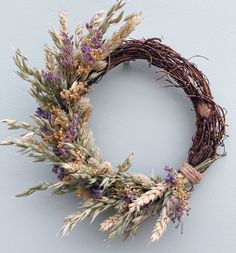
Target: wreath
<point>61,135</point>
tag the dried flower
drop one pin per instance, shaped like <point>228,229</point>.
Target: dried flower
<point>75,92</point>
<point>66,52</point>
<point>107,167</point>
<point>177,205</point>
<point>59,118</point>
<point>92,47</point>
<point>72,132</point>
<point>60,151</point>
<point>52,77</point>
<point>59,171</point>
<point>45,130</point>
<point>96,191</point>
<point>128,194</point>
<point>84,69</point>
<point>170,178</point>
<point>176,210</point>
<point>43,114</point>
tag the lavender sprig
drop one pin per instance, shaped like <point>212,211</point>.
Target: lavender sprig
<point>170,178</point>
<point>43,114</point>
<point>66,52</point>
<point>72,132</point>
<point>52,77</point>
<point>59,171</point>
<point>60,152</point>
<point>96,191</point>
<point>92,45</point>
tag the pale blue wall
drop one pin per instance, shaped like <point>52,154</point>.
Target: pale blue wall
<point>132,113</point>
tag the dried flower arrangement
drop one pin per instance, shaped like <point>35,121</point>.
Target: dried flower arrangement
<point>62,136</point>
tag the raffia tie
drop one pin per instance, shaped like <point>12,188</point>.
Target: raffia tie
<point>190,173</point>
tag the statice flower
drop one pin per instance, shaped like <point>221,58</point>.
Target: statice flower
<point>43,114</point>
<point>59,171</point>
<point>93,46</point>
<point>60,151</point>
<point>97,39</point>
<point>52,77</point>
<point>128,195</point>
<point>45,130</point>
<point>66,52</point>
<point>86,50</point>
<point>96,191</point>
<point>177,205</point>
<point>170,178</point>
<point>176,211</point>
<point>89,25</point>
<point>72,132</point>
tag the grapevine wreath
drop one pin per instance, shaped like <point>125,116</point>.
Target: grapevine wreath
<point>61,134</point>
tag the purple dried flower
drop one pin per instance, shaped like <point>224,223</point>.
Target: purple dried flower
<point>66,52</point>
<point>45,130</point>
<point>96,191</point>
<point>170,178</point>
<point>57,169</point>
<point>88,26</point>
<point>60,151</point>
<point>72,132</point>
<point>97,39</point>
<point>86,50</point>
<point>94,44</point>
<point>176,211</point>
<point>43,114</point>
<point>53,78</point>
<point>129,197</point>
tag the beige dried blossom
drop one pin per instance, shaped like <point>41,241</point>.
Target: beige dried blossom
<point>82,193</point>
<point>106,167</point>
<point>84,69</point>
<point>61,117</point>
<point>75,92</point>
<point>55,138</point>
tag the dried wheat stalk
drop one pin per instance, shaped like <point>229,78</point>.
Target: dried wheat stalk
<point>110,222</point>
<point>148,197</point>
<point>160,225</point>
